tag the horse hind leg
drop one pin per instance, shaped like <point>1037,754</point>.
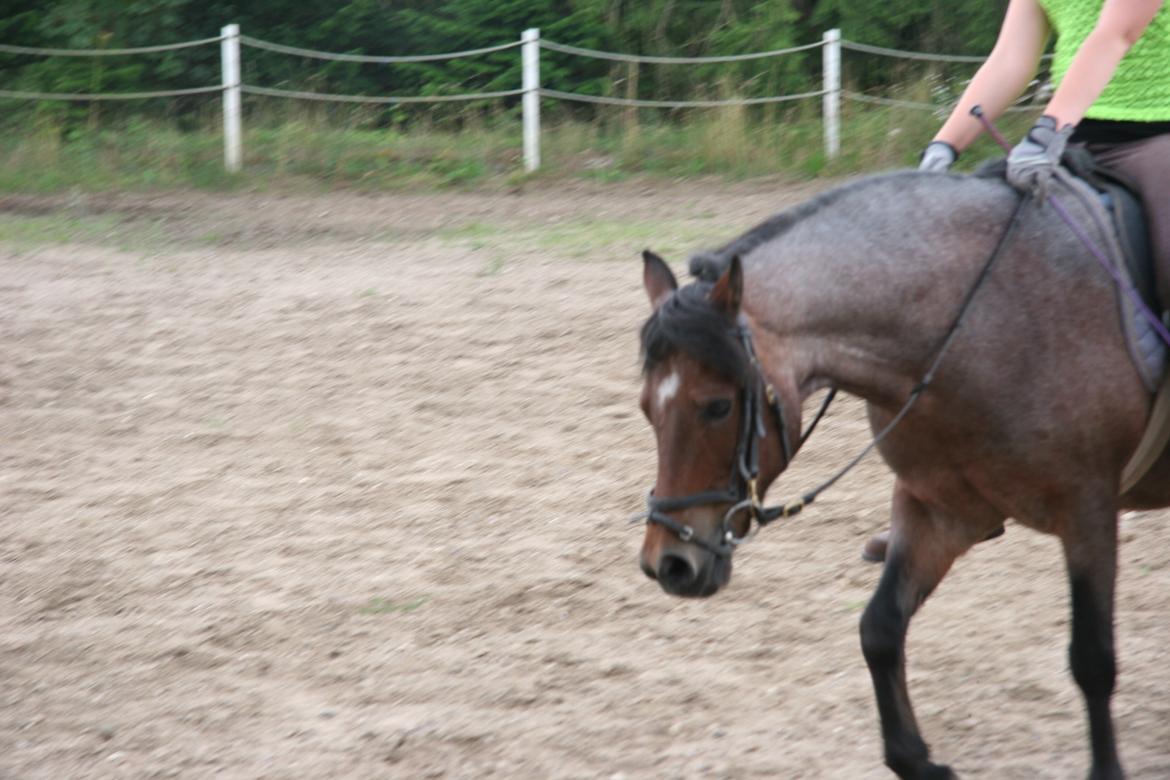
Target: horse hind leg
<point>1090,549</point>
<point>920,555</point>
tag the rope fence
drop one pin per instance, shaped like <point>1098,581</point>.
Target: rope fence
<point>902,54</point>
<point>908,55</point>
<point>635,103</point>
<point>87,96</point>
<point>531,91</point>
<point>256,43</point>
<point>248,89</point>
<point>7,49</point>
<point>649,60</point>
<point>1023,104</point>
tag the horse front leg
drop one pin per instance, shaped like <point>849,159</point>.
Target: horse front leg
<point>920,554</point>
<point>1090,550</point>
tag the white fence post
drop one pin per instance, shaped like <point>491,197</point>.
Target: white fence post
<point>530,83</point>
<point>832,98</point>
<point>229,49</point>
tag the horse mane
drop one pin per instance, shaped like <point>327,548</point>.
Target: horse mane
<point>687,322</point>
<point>709,266</point>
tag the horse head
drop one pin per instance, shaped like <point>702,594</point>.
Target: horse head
<point>718,448</point>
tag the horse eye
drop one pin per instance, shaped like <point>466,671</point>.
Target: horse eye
<point>714,411</point>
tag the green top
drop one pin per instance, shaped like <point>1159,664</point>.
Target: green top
<point>1140,88</point>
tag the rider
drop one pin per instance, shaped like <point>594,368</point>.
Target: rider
<point>1112,67</point>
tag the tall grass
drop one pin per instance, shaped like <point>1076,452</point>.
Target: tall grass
<point>290,146</point>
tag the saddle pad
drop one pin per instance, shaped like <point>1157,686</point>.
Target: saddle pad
<point>1146,346</point>
<point>1124,242</point>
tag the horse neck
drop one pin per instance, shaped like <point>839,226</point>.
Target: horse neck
<point>827,299</point>
<point>858,356</point>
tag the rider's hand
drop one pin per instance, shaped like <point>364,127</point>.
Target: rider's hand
<point>937,157</point>
<point>1033,162</point>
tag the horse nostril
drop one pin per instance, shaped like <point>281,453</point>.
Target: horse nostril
<point>648,570</point>
<point>676,572</point>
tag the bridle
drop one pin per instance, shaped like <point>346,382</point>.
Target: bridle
<point>742,490</point>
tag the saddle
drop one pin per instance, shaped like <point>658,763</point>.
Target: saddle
<point>1124,209</point>
<point>1118,206</point>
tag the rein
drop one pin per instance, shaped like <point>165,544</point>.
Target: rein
<point>742,491</point>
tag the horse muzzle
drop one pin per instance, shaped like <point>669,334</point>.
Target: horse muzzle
<point>688,571</point>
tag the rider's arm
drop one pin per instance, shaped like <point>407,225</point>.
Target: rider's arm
<point>1121,23</point>
<point>1005,74</point>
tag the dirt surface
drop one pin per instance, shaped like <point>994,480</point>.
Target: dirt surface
<point>308,487</point>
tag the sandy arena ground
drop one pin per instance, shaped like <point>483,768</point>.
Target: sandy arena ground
<point>334,487</point>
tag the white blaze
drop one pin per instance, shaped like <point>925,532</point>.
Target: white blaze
<point>667,389</point>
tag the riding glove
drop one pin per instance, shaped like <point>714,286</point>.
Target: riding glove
<point>937,157</point>
<point>1033,162</point>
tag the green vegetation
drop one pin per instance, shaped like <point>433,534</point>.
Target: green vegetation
<point>310,153</point>
<point>164,143</point>
<point>381,606</point>
<point>654,27</point>
<point>25,231</point>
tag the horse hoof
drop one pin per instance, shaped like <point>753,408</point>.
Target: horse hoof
<point>874,550</point>
<point>937,772</point>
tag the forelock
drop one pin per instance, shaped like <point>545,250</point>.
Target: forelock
<point>686,322</point>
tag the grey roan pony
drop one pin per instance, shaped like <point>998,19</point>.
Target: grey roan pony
<point>1032,415</point>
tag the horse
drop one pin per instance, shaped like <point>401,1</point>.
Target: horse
<point>1032,414</point>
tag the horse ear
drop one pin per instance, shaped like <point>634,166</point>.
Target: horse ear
<point>728,291</point>
<point>657,277</point>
